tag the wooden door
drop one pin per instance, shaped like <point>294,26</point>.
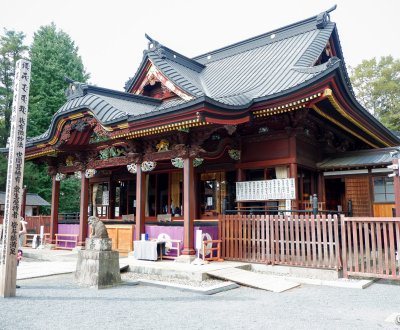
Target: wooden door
<point>358,190</point>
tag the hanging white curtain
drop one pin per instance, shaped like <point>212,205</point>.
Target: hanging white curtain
<point>176,178</point>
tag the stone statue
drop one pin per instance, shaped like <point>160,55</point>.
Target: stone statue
<point>97,265</point>
<point>98,229</point>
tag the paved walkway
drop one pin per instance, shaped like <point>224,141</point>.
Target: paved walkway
<point>55,302</point>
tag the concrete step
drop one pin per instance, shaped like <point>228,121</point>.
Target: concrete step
<point>254,280</point>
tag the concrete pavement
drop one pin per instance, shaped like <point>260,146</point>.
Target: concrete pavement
<point>56,302</point>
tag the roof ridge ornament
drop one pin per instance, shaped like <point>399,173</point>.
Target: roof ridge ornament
<point>155,46</point>
<point>75,89</point>
<point>324,18</point>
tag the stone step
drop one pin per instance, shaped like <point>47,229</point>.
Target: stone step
<point>254,280</point>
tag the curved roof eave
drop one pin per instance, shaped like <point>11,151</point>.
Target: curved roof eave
<point>345,84</point>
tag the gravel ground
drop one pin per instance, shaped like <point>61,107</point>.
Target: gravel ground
<point>202,284</point>
<point>56,302</point>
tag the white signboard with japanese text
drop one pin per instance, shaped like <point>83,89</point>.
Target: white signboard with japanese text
<point>15,172</point>
<point>265,190</point>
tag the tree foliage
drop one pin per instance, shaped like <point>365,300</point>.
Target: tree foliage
<point>54,56</point>
<point>12,49</point>
<point>377,87</point>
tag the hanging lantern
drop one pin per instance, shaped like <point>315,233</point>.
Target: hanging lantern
<point>197,161</point>
<point>234,154</point>
<point>131,168</point>
<point>148,166</point>
<point>90,173</point>
<point>60,176</point>
<point>177,162</point>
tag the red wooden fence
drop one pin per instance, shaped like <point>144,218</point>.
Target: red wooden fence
<point>371,247</point>
<point>298,240</point>
<point>34,223</point>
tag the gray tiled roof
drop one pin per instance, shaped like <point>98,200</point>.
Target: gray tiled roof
<point>107,106</point>
<point>358,159</point>
<point>273,64</point>
<point>31,199</point>
<point>255,68</point>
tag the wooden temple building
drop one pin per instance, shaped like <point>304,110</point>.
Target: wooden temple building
<point>170,149</point>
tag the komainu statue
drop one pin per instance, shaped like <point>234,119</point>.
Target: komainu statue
<point>98,229</point>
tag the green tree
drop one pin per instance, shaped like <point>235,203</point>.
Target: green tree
<point>12,49</point>
<point>377,87</point>
<point>54,56</point>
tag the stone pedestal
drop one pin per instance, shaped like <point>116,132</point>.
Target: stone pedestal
<point>98,266</point>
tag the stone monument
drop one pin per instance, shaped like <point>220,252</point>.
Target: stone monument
<point>98,265</point>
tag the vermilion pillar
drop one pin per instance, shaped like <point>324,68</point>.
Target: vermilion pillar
<point>140,201</point>
<point>83,217</point>
<point>293,174</point>
<point>396,180</point>
<point>189,206</point>
<point>55,194</point>
<point>240,176</point>
<point>111,201</point>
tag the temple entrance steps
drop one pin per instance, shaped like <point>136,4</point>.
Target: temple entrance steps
<point>254,280</point>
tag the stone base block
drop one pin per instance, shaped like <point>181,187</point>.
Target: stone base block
<point>97,269</point>
<point>98,244</point>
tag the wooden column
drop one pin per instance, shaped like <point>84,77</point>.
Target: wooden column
<point>396,181</point>
<point>140,201</point>
<point>111,200</point>
<point>240,176</point>
<point>293,174</point>
<point>189,206</point>
<point>55,194</point>
<point>321,187</point>
<point>83,216</point>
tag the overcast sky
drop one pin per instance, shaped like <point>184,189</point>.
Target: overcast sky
<point>110,34</point>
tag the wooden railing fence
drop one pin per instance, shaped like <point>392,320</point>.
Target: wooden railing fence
<point>34,222</point>
<point>297,240</point>
<point>371,247</point>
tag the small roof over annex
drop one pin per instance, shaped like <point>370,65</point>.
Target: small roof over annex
<point>359,159</point>
<point>32,199</point>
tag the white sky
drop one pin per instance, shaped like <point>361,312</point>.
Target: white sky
<point>110,34</point>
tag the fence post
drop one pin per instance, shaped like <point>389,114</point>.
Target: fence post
<point>350,208</point>
<point>344,247</point>
<point>315,204</point>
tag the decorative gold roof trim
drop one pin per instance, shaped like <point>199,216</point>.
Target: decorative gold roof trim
<point>76,116</point>
<point>164,80</point>
<point>294,105</point>
<point>42,153</point>
<point>122,126</point>
<point>160,129</point>
<point>329,95</point>
<point>321,113</point>
<point>108,129</point>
